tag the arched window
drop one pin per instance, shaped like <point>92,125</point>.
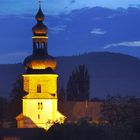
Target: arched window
<point>38,88</point>
<point>38,116</point>
<point>40,105</point>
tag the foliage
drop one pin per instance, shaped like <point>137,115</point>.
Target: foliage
<point>68,131</point>
<point>15,102</point>
<point>78,84</point>
<point>86,131</point>
<point>17,91</point>
<point>62,95</point>
<point>3,106</point>
<point>120,111</point>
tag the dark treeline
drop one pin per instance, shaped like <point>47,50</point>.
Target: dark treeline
<point>121,111</point>
<point>78,85</point>
<point>11,107</point>
<point>86,131</point>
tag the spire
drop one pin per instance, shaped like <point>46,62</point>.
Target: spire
<point>40,59</point>
<point>40,1</point>
<point>40,33</point>
<point>40,16</point>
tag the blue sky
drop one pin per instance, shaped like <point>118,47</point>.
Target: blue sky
<point>15,31</point>
<point>8,7</point>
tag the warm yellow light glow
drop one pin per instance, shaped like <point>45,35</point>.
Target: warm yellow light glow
<point>40,37</point>
<point>39,64</point>
<point>44,117</point>
<point>48,84</point>
<point>40,107</point>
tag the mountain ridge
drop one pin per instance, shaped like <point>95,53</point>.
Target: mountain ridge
<point>110,73</point>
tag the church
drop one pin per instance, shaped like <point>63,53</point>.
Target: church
<point>40,106</point>
<point>40,103</point>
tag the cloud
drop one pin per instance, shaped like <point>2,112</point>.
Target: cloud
<point>18,7</point>
<point>111,16</point>
<point>57,29</point>
<point>127,44</point>
<point>72,1</point>
<point>97,31</point>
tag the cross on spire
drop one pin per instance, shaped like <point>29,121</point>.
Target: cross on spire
<point>40,1</point>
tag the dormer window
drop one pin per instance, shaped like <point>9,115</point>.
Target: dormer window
<point>38,88</point>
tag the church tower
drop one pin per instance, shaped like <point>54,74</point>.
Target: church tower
<point>40,83</point>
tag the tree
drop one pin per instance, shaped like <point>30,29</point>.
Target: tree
<point>62,95</point>
<point>120,111</point>
<point>78,84</point>
<point>3,106</point>
<point>15,102</point>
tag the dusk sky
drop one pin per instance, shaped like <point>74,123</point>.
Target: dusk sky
<point>19,7</point>
<point>16,20</point>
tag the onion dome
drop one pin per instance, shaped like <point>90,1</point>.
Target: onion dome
<point>40,28</point>
<point>40,62</point>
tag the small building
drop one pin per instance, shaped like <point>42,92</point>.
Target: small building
<point>76,111</point>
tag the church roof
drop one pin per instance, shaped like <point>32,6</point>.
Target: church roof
<point>40,71</point>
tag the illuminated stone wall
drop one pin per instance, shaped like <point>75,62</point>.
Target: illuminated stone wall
<point>41,111</point>
<point>40,103</point>
<point>48,84</point>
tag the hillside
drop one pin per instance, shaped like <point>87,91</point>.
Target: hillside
<point>110,73</point>
<point>84,30</point>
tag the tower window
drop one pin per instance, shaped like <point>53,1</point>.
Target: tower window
<point>40,105</point>
<point>38,88</point>
<point>38,116</point>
